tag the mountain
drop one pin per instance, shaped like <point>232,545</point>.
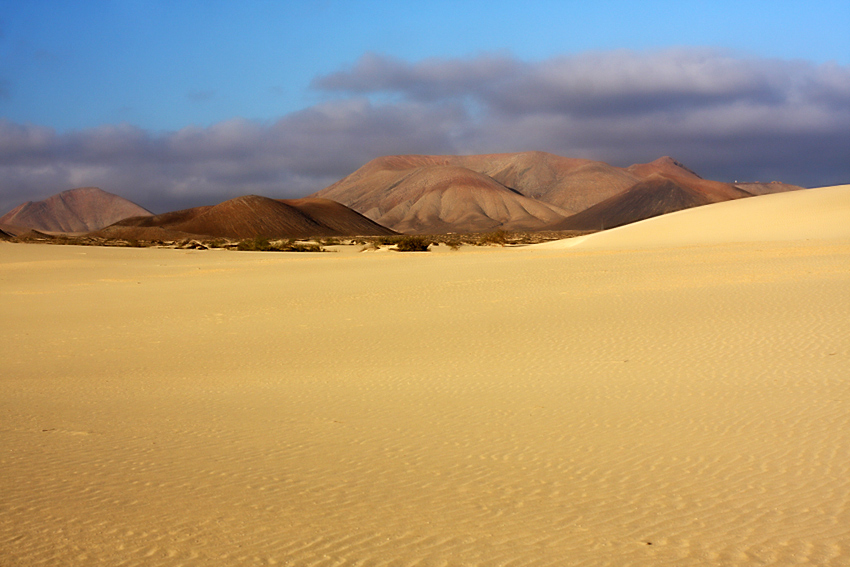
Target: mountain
<point>77,210</point>
<point>520,191</point>
<point>650,197</point>
<point>247,217</point>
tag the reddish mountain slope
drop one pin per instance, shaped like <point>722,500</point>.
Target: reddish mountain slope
<point>446,198</point>
<point>76,210</point>
<point>664,166</point>
<point>651,197</point>
<point>568,183</point>
<point>250,216</point>
<point>521,191</point>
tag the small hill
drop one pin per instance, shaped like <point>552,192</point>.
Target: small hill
<point>247,217</point>
<point>77,210</point>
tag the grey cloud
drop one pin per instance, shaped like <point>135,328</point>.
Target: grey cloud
<point>296,155</point>
<point>428,80</point>
<point>625,106</point>
<point>724,116</point>
<point>610,83</point>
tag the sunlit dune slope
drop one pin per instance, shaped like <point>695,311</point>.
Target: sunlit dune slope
<point>822,213</point>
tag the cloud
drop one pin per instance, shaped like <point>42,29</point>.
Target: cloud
<point>725,116</point>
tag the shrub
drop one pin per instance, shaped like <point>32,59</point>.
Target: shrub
<point>499,238</point>
<point>387,240</point>
<point>258,243</point>
<point>412,244</point>
<point>262,244</point>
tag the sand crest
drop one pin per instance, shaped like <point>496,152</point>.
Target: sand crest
<point>822,213</point>
<point>563,406</point>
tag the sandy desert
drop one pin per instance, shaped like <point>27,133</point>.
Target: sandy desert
<point>672,392</point>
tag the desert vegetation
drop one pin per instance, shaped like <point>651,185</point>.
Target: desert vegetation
<point>263,244</point>
<point>399,242</point>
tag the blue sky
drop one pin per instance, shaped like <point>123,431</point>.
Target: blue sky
<point>188,102</point>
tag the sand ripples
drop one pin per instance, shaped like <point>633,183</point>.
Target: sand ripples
<point>493,409</point>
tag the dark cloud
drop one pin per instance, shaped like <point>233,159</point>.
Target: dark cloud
<point>296,155</point>
<point>428,80</point>
<point>727,117</point>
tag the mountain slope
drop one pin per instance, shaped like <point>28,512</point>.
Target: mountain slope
<point>517,191</point>
<point>250,216</point>
<point>76,210</point>
<point>656,195</point>
<point>447,198</point>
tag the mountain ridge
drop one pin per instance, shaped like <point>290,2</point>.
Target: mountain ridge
<point>536,191</point>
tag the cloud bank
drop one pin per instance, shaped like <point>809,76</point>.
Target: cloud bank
<point>725,116</point>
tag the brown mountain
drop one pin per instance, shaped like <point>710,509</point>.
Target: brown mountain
<point>519,191</point>
<point>76,210</point>
<point>416,194</point>
<point>648,198</point>
<point>665,186</point>
<point>247,217</point>
<point>523,191</point>
<point>568,183</point>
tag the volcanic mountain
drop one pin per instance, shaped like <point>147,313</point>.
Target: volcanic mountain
<point>648,198</point>
<point>250,216</point>
<point>76,210</point>
<point>522,191</point>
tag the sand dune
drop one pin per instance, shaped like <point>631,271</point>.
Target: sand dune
<point>822,213</point>
<point>657,405</point>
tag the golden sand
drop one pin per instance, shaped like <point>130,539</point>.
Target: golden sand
<point>543,406</point>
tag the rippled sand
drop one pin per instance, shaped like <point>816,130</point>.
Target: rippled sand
<point>542,406</point>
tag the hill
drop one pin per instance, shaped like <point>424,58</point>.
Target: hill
<point>77,210</point>
<point>648,198</point>
<point>247,217</point>
<point>522,191</point>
